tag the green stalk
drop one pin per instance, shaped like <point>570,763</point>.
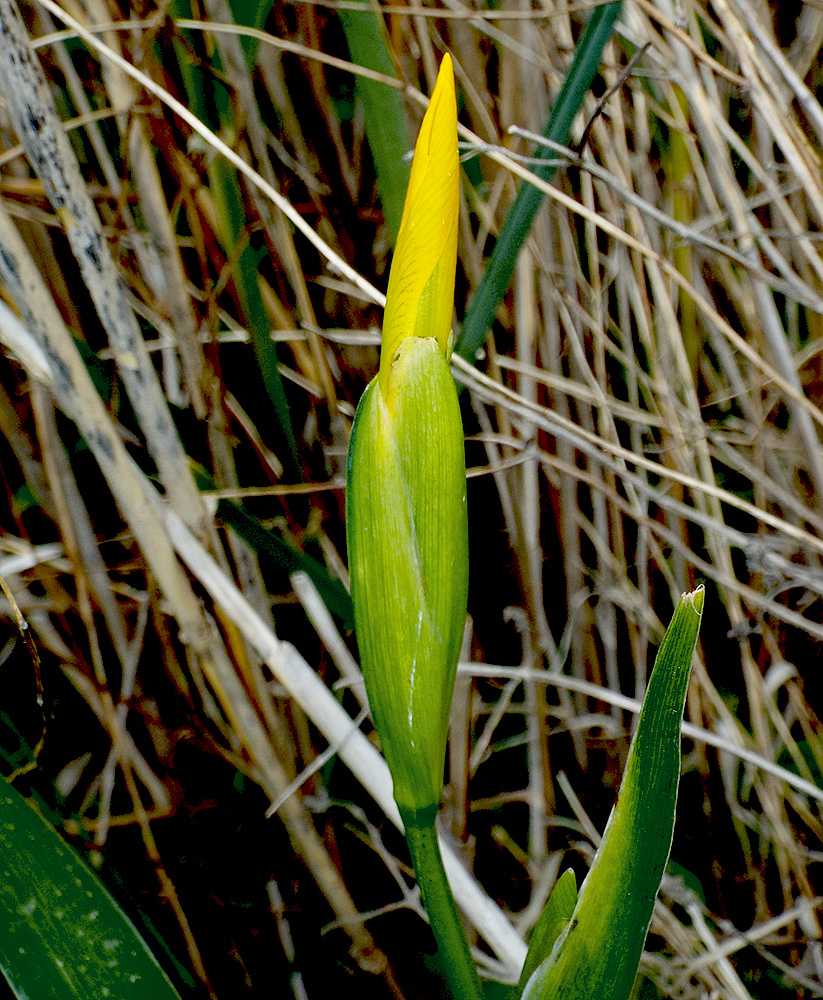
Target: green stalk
<point>458,964</point>
<point>497,276</point>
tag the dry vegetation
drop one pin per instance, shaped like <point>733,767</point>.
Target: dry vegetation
<point>647,415</point>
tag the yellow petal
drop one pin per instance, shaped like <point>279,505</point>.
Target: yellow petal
<point>420,297</point>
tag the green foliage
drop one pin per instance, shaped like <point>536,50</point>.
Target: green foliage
<point>252,14</point>
<point>597,954</point>
<point>63,935</point>
<point>210,101</point>
<point>633,418</point>
<point>518,224</point>
<point>553,921</point>
<point>385,119</point>
<point>268,546</point>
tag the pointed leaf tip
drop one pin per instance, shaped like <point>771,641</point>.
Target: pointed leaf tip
<point>695,598</point>
<point>597,955</point>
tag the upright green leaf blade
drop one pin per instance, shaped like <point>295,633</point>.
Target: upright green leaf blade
<point>553,921</point>
<point>518,223</point>
<point>63,936</point>
<point>597,958</point>
<point>385,118</point>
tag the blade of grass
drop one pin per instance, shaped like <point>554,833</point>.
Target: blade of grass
<point>223,181</point>
<point>385,119</point>
<point>294,217</point>
<point>211,104</point>
<point>267,545</point>
<point>518,224</point>
<point>254,14</point>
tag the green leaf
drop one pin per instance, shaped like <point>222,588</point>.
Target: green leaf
<point>553,921</point>
<point>267,545</point>
<point>385,119</point>
<point>598,956</point>
<point>493,990</point>
<point>253,14</point>
<point>212,104</point>
<point>228,198</point>
<point>518,223</point>
<point>272,549</point>
<point>63,935</point>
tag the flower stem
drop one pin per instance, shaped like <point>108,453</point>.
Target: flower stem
<point>457,962</point>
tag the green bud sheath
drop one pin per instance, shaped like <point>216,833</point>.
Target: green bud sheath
<point>408,555</point>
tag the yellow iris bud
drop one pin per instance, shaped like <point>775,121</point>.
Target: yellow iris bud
<point>420,296</point>
<point>406,498</point>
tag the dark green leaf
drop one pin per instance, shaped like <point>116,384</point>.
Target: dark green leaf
<point>385,119</point>
<point>63,935</point>
<point>518,224</point>
<point>598,955</point>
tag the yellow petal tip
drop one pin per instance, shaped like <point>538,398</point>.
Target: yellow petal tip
<point>419,301</point>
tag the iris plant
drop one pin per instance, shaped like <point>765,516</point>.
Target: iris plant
<point>406,515</point>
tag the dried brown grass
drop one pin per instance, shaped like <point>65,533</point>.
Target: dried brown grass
<point>647,416</point>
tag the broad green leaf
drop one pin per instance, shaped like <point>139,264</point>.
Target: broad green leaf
<point>553,921</point>
<point>63,935</point>
<point>598,956</point>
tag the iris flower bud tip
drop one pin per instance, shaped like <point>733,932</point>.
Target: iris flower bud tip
<point>420,297</point>
<point>406,497</point>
